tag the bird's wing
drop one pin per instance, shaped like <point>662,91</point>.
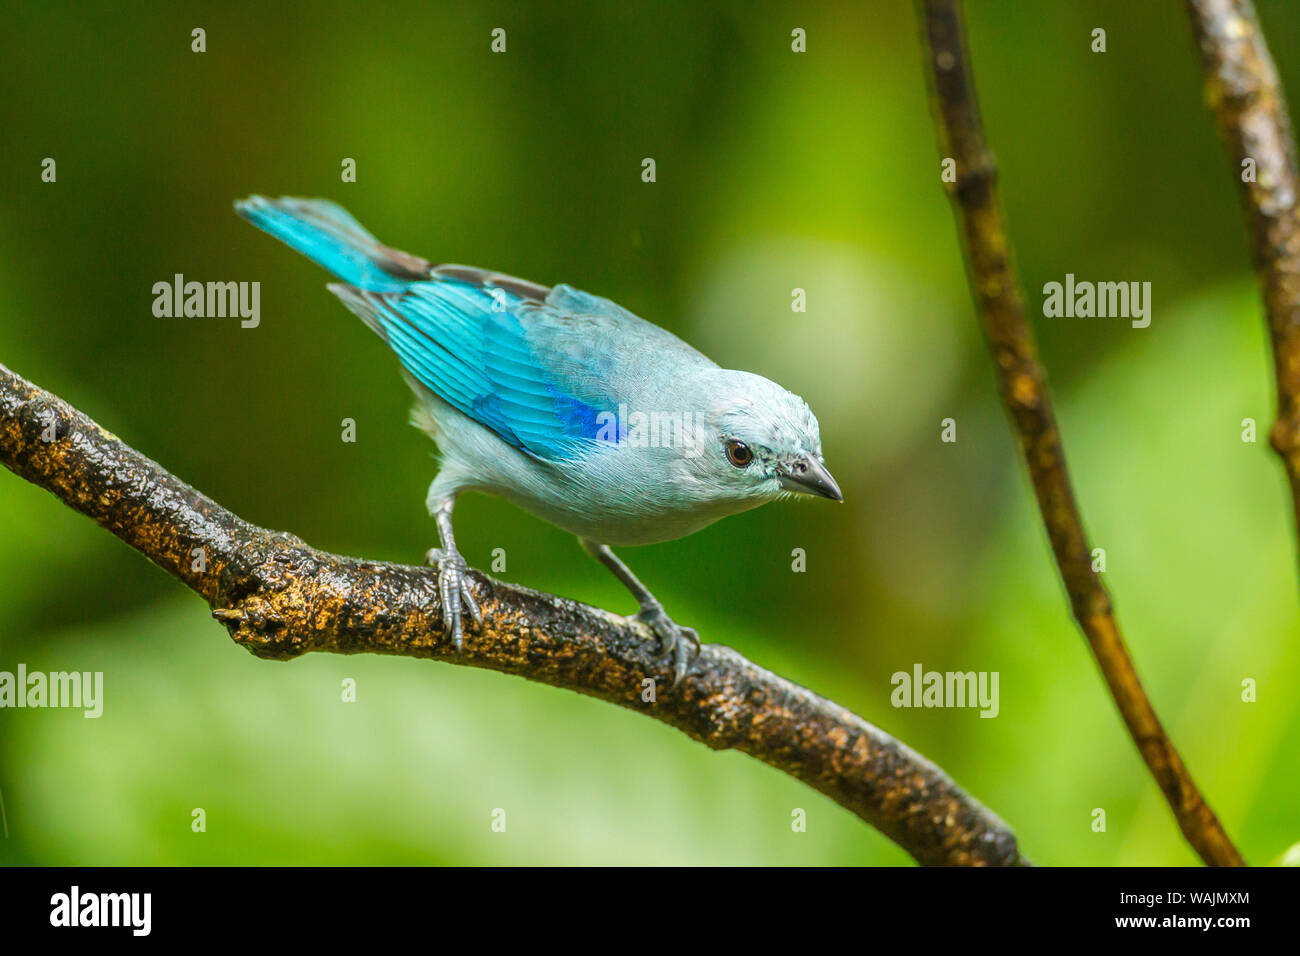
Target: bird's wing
<point>536,366</point>
<point>327,234</point>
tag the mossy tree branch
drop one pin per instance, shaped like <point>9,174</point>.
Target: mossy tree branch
<point>280,598</point>
<point>1242,88</point>
<point>1022,382</point>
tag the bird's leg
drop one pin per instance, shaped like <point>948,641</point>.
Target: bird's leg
<point>453,583</point>
<point>673,638</point>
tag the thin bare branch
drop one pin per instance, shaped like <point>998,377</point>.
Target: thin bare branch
<point>280,598</point>
<point>1022,382</point>
<point>1242,88</point>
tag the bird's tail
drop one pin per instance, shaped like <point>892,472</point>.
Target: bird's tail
<point>327,234</point>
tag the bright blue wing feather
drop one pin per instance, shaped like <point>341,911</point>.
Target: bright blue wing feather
<point>469,345</point>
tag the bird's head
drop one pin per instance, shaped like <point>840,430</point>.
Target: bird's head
<point>763,442</point>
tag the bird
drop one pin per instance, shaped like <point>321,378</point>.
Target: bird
<point>563,403</point>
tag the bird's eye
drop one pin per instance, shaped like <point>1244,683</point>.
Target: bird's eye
<point>739,454</point>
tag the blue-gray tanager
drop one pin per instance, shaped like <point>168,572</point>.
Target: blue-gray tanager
<point>562,402</point>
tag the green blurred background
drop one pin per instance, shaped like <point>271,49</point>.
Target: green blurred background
<point>775,171</point>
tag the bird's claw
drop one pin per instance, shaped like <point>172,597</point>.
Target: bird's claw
<point>673,639</point>
<point>454,593</point>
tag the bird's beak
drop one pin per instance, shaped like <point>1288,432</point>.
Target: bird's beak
<point>809,476</point>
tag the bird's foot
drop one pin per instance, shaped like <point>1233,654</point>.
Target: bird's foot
<point>454,592</point>
<point>682,644</point>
